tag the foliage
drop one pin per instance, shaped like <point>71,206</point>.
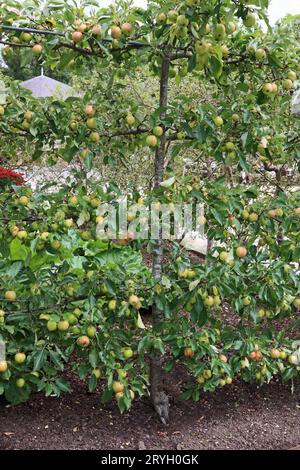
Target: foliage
<point>228,108</point>
<point>67,280</point>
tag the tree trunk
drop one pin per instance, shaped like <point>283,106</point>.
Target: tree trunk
<point>159,398</point>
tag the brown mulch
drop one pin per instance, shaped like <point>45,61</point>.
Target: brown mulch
<point>239,416</point>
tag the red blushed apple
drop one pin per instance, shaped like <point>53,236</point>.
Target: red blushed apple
<point>77,36</point>
<point>96,29</point>
<point>126,28</point>
<point>115,32</point>
<point>82,27</point>
<point>89,110</point>
<point>272,213</point>
<point>3,366</point>
<point>241,251</point>
<point>37,49</point>
<point>188,353</point>
<point>83,341</point>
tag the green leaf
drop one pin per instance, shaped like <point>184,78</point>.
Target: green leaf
<point>62,385</point>
<point>69,153</point>
<point>93,358</point>
<point>15,395</point>
<point>145,343</point>
<point>18,251</point>
<point>39,360</point>
<point>199,313</point>
<point>14,269</point>
<point>187,395</point>
<point>216,66</point>
<point>55,357</point>
<point>107,395</point>
<point>92,383</point>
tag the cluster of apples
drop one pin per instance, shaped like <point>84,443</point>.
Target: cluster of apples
<point>91,124</point>
<point>118,387</point>
<point>274,353</point>
<point>18,360</point>
<point>26,120</point>
<point>209,373</point>
<point>26,123</point>
<point>25,38</point>
<point>271,88</point>
<point>211,299</point>
<point>257,361</point>
<point>151,139</point>
<point>180,27</point>
<point>116,31</point>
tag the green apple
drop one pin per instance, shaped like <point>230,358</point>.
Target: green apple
<point>260,54</point>
<point>95,137</point>
<point>158,131</point>
<point>20,358</point>
<point>72,319</point>
<point>91,123</point>
<point>63,325</point>
<point>162,18</point>
<point>10,295</point>
<point>130,119</point>
<point>253,217</point>
<point>182,20</point>
<point>23,200</point>
<point>86,235</point>
<point>292,75</point>
<point>250,20</point>
<point>296,303</point>
<point>118,387</point>
<point>112,305</point>
<point>127,353</point>
<point>96,373</point>
<point>220,31</point>
<point>287,84</point>
<point>51,325</point>
<point>91,331</point>
<point>293,359</point>
<point>20,383</point>
<point>246,301</point>
<point>218,120</point>
<point>56,244</point>
<point>172,16</point>
<point>209,301</point>
<point>223,255</point>
<point>25,37</point>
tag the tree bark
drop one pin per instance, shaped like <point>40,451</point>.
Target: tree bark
<point>159,398</point>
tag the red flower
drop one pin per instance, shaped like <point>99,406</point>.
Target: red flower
<point>10,177</point>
